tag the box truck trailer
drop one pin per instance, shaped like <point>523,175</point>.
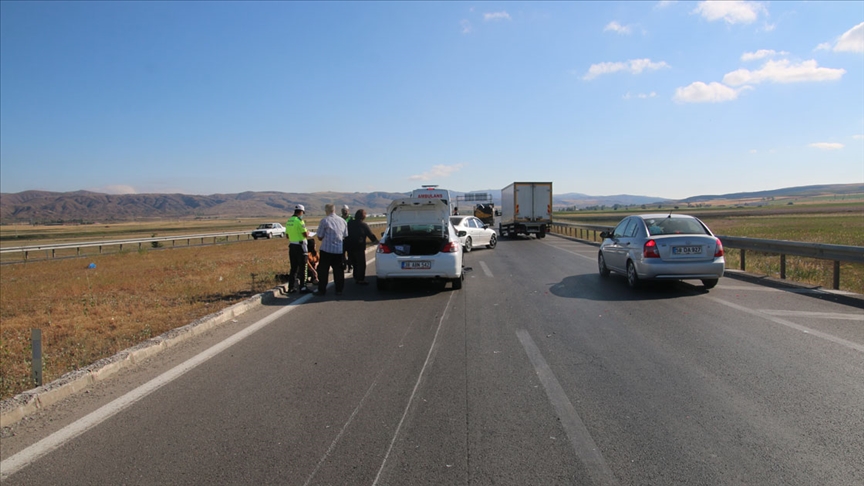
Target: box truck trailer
<point>526,209</point>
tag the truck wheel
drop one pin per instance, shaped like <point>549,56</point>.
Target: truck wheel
<point>468,245</point>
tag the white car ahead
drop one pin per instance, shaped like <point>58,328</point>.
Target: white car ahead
<point>476,232</point>
<point>419,243</point>
<point>269,230</point>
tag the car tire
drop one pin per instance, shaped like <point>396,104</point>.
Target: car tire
<point>493,242</point>
<point>468,245</point>
<point>601,264</point>
<point>269,235</point>
<point>381,283</point>
<point>632,276</point>
<point>254,237</point>
<point>457,282</point>
<point>710,283</point>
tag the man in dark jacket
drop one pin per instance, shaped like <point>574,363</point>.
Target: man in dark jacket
<point>355,245</point>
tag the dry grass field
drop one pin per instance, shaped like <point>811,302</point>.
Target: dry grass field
<point>88,314</point>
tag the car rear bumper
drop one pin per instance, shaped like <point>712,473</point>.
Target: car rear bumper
<point>443,266</point>
<point>650,269</point>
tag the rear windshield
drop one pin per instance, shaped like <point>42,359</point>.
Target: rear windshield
<point>674,226</point>
<point>403,230</point>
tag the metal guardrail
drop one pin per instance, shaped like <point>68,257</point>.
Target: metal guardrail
<point>837,253</point>
<point>140,242</point>
<point>51,250</point>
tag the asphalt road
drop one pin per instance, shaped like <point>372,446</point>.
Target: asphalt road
<point>537,372</point>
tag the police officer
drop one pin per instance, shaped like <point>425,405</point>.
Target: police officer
<point>295,228</point>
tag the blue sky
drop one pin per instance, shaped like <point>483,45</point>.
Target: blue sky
<point>665,99</point>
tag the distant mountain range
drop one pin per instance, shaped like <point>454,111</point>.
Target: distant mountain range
<point>42,206</point>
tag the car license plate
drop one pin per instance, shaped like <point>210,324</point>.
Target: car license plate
<point>419,265</point>
<point>687,250</point>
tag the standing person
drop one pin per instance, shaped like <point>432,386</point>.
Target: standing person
<point>332,230</point>
<point>346,263</point>
<point>355,245</point>
<point>295,228</point>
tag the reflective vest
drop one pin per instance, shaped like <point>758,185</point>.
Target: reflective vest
<point>294,228</point>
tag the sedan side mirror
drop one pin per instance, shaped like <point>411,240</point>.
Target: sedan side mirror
<point>605,234</point>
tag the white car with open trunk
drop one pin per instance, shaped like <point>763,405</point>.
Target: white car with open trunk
<point>419,243</point>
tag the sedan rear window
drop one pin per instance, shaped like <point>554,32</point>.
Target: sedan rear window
<point>675,226</point>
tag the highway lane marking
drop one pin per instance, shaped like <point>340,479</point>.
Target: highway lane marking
<point>486,269</point>
<point>819,315</point>
<point>13,464</point>
<point>758,288</point>
<point>592,257</point>
<point>416,387</point>
<point>804,329</point>
<point>585,447</point>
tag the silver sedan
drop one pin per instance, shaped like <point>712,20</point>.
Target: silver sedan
<point>473,232</point>
<point>662,247</point>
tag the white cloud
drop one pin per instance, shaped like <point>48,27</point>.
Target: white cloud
<point>700,92</point>
<point>852,40</point>
<point>634,66</point>
<point>783,71</point>
<point>732,12</point>
<point>858,137</point>
<point>466,27</point>
<point>825,46</point>
<point>616,27</point>
<point>438,171</point>
<point>665,3</point>
<point>761,54</point>
<point>753,151</point>
<point>495,16</point>
<point>826,146</point>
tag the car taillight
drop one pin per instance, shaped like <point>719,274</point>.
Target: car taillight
<point>450,247</point>
<point>719,251</point>
<point>650,250</point>
<point>384,248</point>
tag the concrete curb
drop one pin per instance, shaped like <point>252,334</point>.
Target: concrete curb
<point>20,406</point>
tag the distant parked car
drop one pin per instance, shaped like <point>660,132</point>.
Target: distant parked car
<point>662,247</point>
<point>268,230</point>
<point>473,232</point>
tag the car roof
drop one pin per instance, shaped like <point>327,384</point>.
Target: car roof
<point>663,215</point>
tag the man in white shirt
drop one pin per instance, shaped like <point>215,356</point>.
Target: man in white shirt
<point>331,231</point>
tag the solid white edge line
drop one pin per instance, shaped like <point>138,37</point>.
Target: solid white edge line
<point>23,458</point>
<point>804,329</point>
<point>583,444</point>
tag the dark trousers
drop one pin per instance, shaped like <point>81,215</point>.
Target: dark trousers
<point>357,259</point>
<point>298,267</point>
<point>328,261</point>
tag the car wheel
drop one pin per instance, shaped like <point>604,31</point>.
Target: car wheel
<point>493,241</point>
<point>254,237</point>
<point>601,263</point>
<point>468,245</point>
<point>381,283</point>
<point>269,235</point>
<point>457,282</point>
<point>632,276</point>
<point>710,283</point>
